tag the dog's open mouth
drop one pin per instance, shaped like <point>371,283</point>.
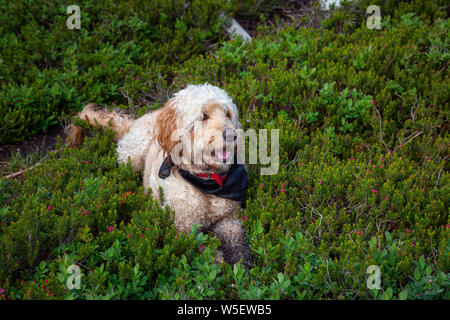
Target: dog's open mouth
<point>224,155</point>
<point>221,155</point>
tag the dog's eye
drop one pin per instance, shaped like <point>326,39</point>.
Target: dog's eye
<point>205,117</point>
<point>228,115</point>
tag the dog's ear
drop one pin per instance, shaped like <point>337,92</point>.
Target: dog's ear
<point>166,125</point>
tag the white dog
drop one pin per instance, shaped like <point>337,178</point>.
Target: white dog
<point>187,148</point>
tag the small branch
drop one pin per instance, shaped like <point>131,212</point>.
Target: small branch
<point>410,138</point>
<point>381,129</point>
<point>439,175</point>
<point>19,173</point>
<point>126,95</point>
<point>412,111</point>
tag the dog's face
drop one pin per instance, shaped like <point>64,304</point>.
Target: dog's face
<point>214,138</point>
<point>202,125</point>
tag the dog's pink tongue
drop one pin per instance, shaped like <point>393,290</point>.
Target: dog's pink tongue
<point>225,154</point>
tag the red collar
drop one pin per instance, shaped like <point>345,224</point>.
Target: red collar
<point>219,179</point>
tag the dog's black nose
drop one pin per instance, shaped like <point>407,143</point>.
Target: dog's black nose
<point>229,135</point>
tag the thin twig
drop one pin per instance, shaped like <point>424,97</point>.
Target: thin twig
<point>381,130</point>
<point>439,177</point>
<point>18,173</point>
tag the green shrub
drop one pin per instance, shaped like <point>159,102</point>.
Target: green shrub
<point>124,53</point>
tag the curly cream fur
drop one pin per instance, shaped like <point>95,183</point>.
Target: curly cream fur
<point>146,141</point>
<point>118,121</point>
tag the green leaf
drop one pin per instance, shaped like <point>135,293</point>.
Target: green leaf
<point>372,242</point>
<point>403,295</point>
<point>417,274</point>
<point>212,275</point>
<point>280,277</point>
<point>61,277</point>
<point>388,236</point>
<point>428,270</point>
<point>136,269</point>
<point>42,265</point>
<point>387,295</point>
<point>422,262</point>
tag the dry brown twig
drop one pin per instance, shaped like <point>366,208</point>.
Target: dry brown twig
<point>381,126</point>
<point>19,173</point>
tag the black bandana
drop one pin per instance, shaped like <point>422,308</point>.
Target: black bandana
<point>234,186</point>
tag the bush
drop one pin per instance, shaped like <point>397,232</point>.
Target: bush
<point>124,53</point>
